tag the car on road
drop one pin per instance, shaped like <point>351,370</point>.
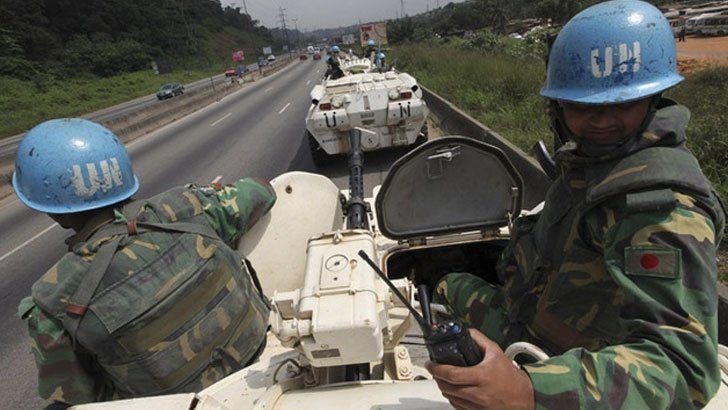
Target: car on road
<point>316,55</point>
<point>236,71</point>
<point>303,56</point>
<point>170,90</point>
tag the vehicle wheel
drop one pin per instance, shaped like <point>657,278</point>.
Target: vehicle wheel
<point>319,156</point>
<point>422,137</point>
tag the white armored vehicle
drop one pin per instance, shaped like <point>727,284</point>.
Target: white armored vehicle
<point>340,338</point>
<point>388,104</point>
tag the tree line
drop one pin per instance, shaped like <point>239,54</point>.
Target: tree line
<point>71,38</point>
<point>497,15</point>
<point>107,37</point>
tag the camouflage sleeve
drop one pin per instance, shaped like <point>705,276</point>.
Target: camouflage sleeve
<point>233,209</point>
<point>61,371</point>
<point>665,357</point>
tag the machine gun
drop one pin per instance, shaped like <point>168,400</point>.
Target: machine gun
<point>355,208</point>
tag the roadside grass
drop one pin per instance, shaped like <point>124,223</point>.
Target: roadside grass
<point>23,104</point>
<point>499,91</point>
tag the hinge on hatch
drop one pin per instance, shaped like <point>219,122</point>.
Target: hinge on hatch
<point>435,161</point>
<point>514,201</point>
<point>415,241</point>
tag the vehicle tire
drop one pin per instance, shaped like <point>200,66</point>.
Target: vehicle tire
<point>422,137</point>
<point>319,156</point>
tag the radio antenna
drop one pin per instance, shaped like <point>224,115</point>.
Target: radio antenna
<point>425,323</point>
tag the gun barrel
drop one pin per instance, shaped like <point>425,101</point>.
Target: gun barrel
<point>356,209</point>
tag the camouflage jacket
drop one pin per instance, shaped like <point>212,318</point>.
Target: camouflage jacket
<point>173,312</point>
<point>616,277</point>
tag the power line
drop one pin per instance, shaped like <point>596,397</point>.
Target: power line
<point>282,17</point>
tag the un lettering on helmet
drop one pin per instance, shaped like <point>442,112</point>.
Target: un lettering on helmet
<point>628,60</point>
<point>111,176</point>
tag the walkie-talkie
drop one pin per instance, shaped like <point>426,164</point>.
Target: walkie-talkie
<point>448,342</point>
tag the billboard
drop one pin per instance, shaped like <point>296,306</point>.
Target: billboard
<point>238,55</point>
<point>267,50</point>
<point>348,39</point>
<point>373,31</point>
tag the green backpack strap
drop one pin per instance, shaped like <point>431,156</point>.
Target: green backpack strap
<point>78,303</point>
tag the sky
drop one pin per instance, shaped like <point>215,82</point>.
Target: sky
<point>310,15</point>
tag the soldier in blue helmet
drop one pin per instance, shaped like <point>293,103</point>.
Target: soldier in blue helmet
<point>334,66</point>
<point>371,49</point>
<point>616,277</point>
<point>152,297</point>
<point>380,63</point>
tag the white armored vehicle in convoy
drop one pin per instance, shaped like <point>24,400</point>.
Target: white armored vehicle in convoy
<point>341,337</point>
<point>389,104</point>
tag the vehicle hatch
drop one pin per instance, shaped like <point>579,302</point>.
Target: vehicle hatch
<point>448,185</point>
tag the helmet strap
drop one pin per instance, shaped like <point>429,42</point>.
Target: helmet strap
<point>562,133</point>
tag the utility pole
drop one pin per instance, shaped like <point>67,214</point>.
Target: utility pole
<point>245,7</point>
<point>282,17</point>
<point>401,2</point>
<point>295,23</point>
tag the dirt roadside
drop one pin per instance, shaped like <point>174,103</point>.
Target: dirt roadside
<point>699,52</point>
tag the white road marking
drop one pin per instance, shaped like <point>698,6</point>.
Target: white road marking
<point>308,82</point>
<point>223,117</point>
<point>267,89</point>
<point>284,108</point>
<point>2,258</point>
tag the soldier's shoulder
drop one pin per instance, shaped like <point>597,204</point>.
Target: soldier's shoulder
<point>654,169</point>
<point>53,290</point>
<point>176,204</point>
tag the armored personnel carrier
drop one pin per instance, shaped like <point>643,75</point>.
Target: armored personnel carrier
<point>340,336</point>
<point>388,104</point>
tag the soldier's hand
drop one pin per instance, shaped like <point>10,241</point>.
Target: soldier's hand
<point>494,383</point>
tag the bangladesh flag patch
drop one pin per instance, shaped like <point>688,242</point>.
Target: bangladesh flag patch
<point>658,262</point>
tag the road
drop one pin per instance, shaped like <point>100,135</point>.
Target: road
<point>257,131</point>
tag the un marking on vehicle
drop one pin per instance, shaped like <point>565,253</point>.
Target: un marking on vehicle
<point>110,175</point>
<point>628,60</point>
<point>368,114</point>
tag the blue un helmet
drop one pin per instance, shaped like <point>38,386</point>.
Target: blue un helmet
<point>335,49</point>
<point>370,43</point>
<point>72,165</point>
<point>612,52</point>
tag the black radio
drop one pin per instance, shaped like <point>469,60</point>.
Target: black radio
<point>448,342</point>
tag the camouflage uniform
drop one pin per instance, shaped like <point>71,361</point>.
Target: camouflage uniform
<point>615,278</point>
<point>174,311</point>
